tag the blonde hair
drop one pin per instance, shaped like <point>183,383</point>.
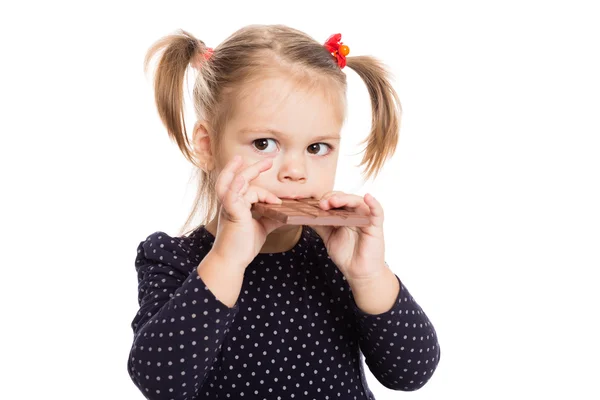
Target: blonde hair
<point>244,57</point>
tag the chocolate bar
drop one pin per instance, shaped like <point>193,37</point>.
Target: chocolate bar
<point>308,212</point>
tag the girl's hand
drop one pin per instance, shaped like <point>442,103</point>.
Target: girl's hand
<point>358,251</point>
<point>239,236</point>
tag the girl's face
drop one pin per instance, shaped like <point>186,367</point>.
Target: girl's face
<point>298,129</point>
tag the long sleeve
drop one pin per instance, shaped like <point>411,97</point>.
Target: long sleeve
<point>400,346</point>
<point>180,326</point>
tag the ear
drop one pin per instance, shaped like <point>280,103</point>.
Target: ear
<point>202,145</point>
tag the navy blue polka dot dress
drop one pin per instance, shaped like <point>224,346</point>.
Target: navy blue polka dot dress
<point>295,331</point>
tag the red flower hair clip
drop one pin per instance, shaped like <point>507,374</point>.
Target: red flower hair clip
<point>337,49</point>
<point>209,53</point>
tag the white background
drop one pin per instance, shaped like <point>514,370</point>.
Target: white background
<point>491,200</point>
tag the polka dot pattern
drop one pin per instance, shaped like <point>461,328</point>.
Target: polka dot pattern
<point>295,330</point>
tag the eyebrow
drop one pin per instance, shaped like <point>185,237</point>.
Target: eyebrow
<point>279,133</point>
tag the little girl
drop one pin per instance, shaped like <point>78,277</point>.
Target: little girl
<point>246,307</point>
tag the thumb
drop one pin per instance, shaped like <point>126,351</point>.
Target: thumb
<point>322,230</point>
<point>270,224</point>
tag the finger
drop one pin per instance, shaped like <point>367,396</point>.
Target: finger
<point>270,224</point>
<point>257,194</point>
<point>376,210</point>
<point>349,201</point>
<point>234,202</point>
<point>329,194</point>
<point>226,177</point>
<point>253,171</point>
<point>241,196</point>
<point>323,231</point>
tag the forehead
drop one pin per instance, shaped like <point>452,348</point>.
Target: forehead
<point>282,104</point>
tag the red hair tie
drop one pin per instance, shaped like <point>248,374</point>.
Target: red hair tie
<point>197,61</point>
<point>337,49</point>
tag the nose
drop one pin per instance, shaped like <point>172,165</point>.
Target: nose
<point>292,169</point>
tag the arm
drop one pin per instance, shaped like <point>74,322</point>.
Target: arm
<point>387,288</point>
<point>181,324</point>
<point>399,342</point>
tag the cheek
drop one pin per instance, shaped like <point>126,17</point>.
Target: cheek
<point>323,176</point>
<point>329,177</point>
<point>326,183</point>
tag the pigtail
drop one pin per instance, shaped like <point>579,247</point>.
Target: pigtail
<point>387,112</point>
<point>178,51</point>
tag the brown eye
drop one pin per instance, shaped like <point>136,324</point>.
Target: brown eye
<point>316,147</point>
<point>263,144</point>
